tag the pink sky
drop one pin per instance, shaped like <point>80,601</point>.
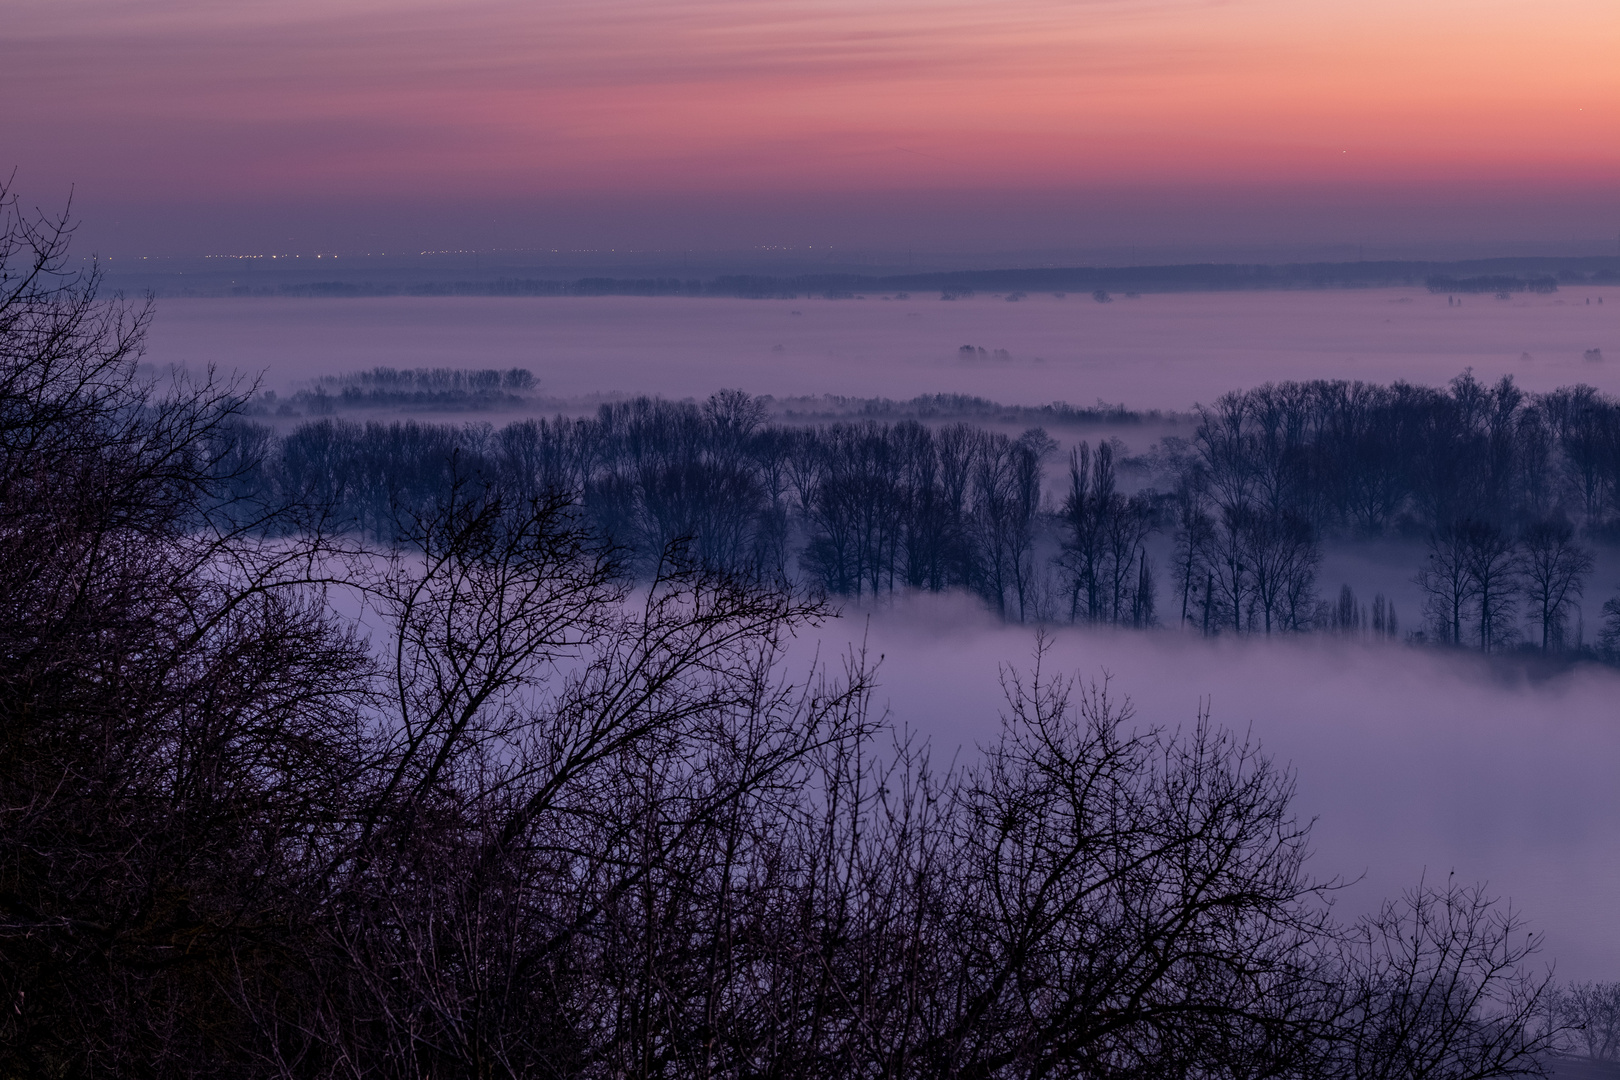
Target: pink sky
<point>934,121</point>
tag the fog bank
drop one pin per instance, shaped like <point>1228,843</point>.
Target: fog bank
<point>1158,351</point>
<point>1413,761</point>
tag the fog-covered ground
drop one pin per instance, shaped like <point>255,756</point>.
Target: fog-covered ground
<point>1413,760</point>
<point>1159,351</point>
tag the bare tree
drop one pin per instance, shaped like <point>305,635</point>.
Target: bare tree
<point>1494,569</point>
<point>1385,623</point>
<point>575,787</point>
<point>1554,567</point>
<point>1230,569</point>
<point>1437,988</point>
<point>1074,839</point>
<point>178,702</point>
<point>1194,533</point>
<point>1284,556</point>
<point>1586,1016</point>
<point>1082,518</point>
<point>1449,589</point>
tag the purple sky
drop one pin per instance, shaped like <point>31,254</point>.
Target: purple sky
<point>940,125</point>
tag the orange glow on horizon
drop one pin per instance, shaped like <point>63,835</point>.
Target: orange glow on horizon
<point>502,98</point>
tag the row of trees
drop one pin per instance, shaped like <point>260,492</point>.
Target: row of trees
<point>1588,1014</point>
<point>1477,575</point>
<point>1242,568</point>
<point>859,509</point>
<point>1267,474</point>
<point>278,801</point>
<point>1370,460</point>
<point>866,509</point>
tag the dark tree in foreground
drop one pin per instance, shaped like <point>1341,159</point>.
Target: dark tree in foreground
<point>177,723</point>
<point>1434,990</point>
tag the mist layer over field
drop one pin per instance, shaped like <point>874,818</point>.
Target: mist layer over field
<point>1158,351</point>
<point>1413,761</point>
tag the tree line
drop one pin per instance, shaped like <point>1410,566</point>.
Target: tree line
<point>1501,486</point>
<point>281,800</point>
<point>1539,274</point>
<point>1507,490</point>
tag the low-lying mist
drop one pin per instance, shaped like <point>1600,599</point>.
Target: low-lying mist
<point>1158,351</point>
<point>1414,762</point>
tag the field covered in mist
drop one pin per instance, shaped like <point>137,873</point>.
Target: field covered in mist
<point>1416,762</point>
<point>1158,351</point>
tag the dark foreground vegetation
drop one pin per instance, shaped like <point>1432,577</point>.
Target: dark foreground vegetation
<point>275,802</point>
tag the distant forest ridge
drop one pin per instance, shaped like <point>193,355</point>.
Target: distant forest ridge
<point>1501,275</point>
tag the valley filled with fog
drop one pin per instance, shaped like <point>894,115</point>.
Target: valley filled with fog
<point>1417,762</point>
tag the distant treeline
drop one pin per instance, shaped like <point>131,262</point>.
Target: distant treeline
<point>443,389</point>
<point>1500,484</point>
<point>1503,485</point>
<point>1492,283</point>
<point>458,389</point>
<point>1538,274</point>
<point>961,407</point>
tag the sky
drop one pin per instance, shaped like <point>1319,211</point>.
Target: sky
<point>1041,126</point>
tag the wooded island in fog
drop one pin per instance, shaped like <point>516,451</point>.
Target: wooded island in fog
<point>1507,489</point>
